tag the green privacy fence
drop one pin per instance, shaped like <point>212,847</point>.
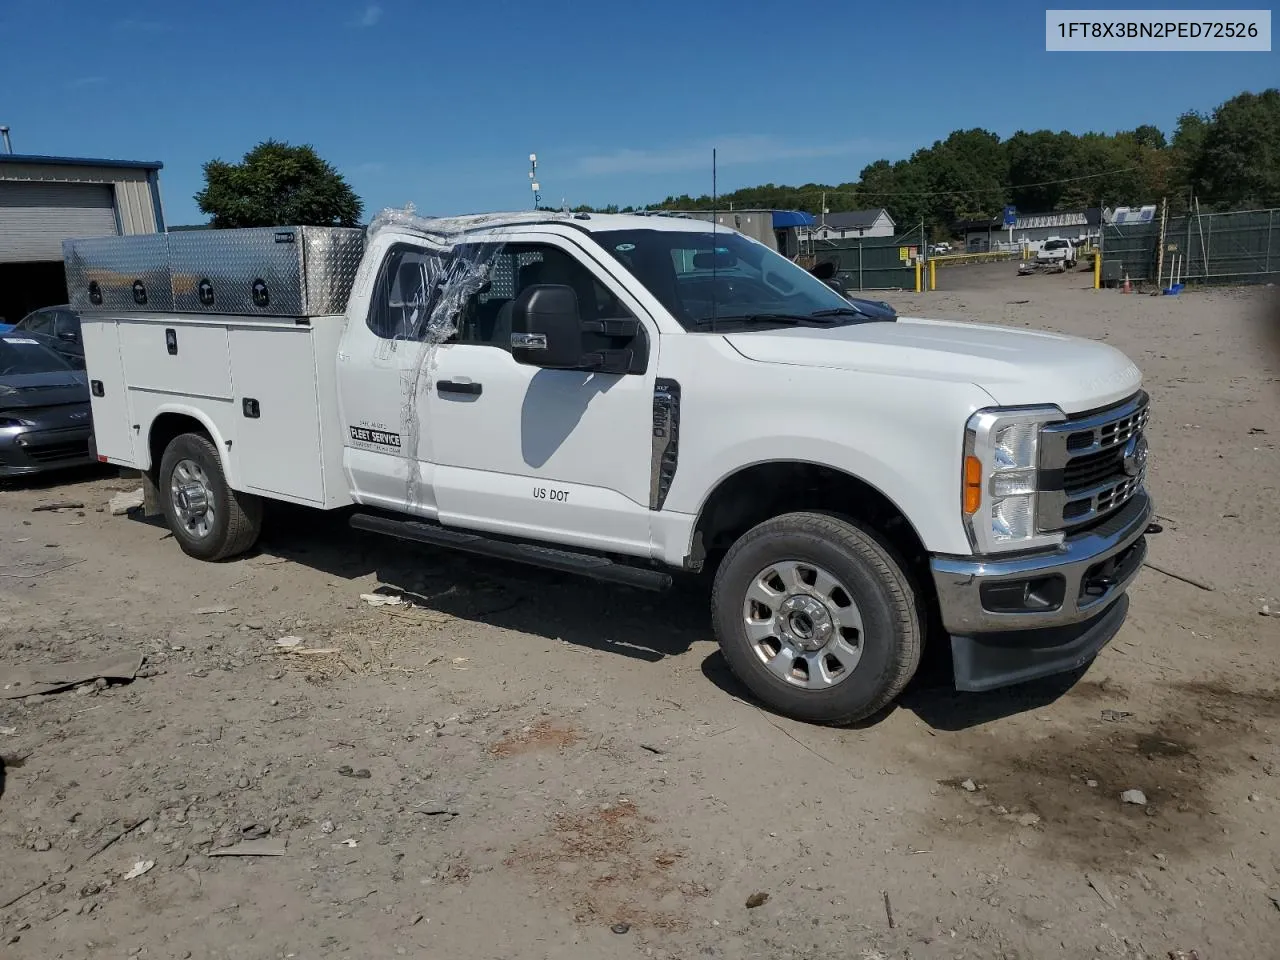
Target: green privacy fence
<point>1238,247</point>
<point>878,263</point>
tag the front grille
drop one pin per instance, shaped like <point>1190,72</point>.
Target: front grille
<point>1089,470</point>
<point>1082,465</point>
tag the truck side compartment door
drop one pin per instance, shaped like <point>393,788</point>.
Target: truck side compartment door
<point>383,368</point>
<point>277,444</point>
<point>108,396</point>
<point>555,455</point>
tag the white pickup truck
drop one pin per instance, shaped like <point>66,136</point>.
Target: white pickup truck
<point>631,398</point>
<point>1057,252</point>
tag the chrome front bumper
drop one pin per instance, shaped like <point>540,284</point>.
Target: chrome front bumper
<point>1070,585</point>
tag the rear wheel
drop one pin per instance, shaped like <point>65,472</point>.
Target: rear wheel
<point>816,617</point>
<point>209,520</point>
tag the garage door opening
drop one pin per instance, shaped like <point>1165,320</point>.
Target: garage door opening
<point>28,286</point>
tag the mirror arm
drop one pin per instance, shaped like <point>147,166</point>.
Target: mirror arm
<point>607,361</point>
<point>613,327</point>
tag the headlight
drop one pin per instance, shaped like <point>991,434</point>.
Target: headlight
<point>1001,478</point>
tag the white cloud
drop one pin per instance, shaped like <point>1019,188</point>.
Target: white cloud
<point>735,150</point>
<point>372,14</point>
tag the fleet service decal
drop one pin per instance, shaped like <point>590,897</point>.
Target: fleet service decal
<point>380,437</point>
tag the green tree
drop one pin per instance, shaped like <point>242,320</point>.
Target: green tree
<point>1150,136</point>
<point>968,178</point>
<point>1040,164</point>
<point>277,184</point>
<point>1239,158</point>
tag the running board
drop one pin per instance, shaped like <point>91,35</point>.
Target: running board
<point>550,558</point>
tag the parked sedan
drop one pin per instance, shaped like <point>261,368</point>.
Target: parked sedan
<point>45,421</point>
<point>58,328</point>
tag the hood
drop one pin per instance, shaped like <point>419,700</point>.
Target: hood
<point>43,389</point>
<point>1015,367</point>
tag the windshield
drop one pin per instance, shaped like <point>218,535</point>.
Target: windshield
<point>708,278</point>
<point>1055,244</point>
<point>19,355</point>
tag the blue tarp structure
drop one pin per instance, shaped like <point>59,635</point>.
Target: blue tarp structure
<point>782,219</point>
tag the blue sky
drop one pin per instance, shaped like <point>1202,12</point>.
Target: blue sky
<point>440,103</point>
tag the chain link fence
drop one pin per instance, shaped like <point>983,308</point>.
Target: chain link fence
<point>1241,246</point>
<point>878,263</point>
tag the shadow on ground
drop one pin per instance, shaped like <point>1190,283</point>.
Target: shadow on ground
<point>614,619</point>
<point>931,696</point>
<point>557,606</point>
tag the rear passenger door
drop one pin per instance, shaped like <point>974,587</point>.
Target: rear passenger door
<point>383,369</point>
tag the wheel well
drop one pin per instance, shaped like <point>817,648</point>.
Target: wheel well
<point>754,494</point>
<point>164,429</point>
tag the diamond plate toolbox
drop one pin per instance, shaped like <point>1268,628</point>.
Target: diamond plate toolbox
<point>260,271</point>
<point>119,273</point>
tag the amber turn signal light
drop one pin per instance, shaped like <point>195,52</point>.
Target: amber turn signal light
<point>972,485</point>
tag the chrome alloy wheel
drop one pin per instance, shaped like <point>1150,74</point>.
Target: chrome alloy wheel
<point>192,498</point>
<point>803,624</point>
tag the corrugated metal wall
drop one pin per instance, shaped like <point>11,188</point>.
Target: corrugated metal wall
<point>36,217</point>
<point>43,204</point>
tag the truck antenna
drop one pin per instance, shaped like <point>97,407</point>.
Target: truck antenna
<point>714,249</point>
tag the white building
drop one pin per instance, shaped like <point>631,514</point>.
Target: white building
<point>852,225</point>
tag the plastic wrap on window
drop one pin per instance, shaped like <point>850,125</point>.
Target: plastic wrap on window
<point>462,267</point>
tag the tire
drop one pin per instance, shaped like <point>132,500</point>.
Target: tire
<point>192,460</point>
<point>880,624</point>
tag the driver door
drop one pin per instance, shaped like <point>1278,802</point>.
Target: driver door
<point>555,455</point>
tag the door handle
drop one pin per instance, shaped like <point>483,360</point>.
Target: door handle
<point>455,386</point>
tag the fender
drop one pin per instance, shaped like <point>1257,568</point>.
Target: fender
<point>219,439</point>
<point>937,525</point>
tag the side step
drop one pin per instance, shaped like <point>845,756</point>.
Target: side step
<point>550,558</point>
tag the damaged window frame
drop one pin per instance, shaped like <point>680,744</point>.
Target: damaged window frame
<point>464,272</point>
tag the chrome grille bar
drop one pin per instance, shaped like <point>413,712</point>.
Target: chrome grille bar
<point>1080,482</point>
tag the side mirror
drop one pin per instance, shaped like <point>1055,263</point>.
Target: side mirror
<point>825,270</point>
<point>546,327</point>
<point>69,337</point>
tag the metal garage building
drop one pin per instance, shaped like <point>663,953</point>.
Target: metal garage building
<point>45,200</point>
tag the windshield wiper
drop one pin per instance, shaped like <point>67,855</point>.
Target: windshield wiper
<point>796,319</point>
<point>840,312</point>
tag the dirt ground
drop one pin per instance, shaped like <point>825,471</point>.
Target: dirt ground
<point>516,764</point>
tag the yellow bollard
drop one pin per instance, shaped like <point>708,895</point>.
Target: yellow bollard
<point>917,274</point>
<point>1097,269</point>
<point>933,275</point>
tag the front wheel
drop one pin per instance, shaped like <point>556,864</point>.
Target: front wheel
<point>817,618</point>
<point>209,520</point>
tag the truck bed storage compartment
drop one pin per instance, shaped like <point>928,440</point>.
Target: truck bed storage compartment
<point>259,272</point>
<point>277,448</point>
<point>108,396</point>
<point>218,325</point>
<point>176,356</point>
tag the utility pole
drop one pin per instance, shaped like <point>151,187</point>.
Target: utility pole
<point>533,179</point>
